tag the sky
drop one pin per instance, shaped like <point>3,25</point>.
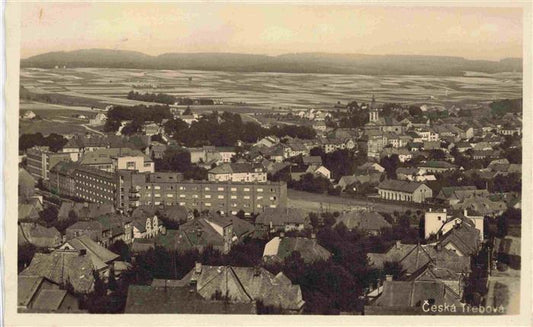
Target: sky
<point>272,29</point>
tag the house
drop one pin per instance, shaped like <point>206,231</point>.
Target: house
<point>174,213</point>
<point>115,227</point>
<point>207,231</point>
<point>436,166</point>
<point>367,221</point>
<point>36,294</point>
<point>151,128</point>
<point>312,160</point>
<point>455,194</point>
<point>319,171</point>
<point>102,259</point>
<point>412,297</point>
<point>320,126</point>
<point>281,219</point>
<point>402,153</point>
<point>90,228</point>
<point>464,239</point>
<point>38,236</point>
<point>404,191</point>
<point>245,285</point>
<point>114,159</point>
<point>346,181</point>
<point>237,172</point>
<point>64,267</point>
<point>413,257</point>
<point>481,205</point>
<point>369,167</point>
<point>172,297</point>
<point>146,227</point>
<point>156,150</point>
<point>267,141</point>
<point>85,210</point>
<point>99,120</point>
<point>279,248</point>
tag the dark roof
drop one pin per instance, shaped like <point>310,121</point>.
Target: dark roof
<point>84,210</point>
<point>100,256</point>
<point>247,284</point>
<point>401,186</point>
<point>363,220</point>
<point>281,216</point>
<point>309,249</point>
<point>38,235</point>
<point>62,267</point>
<point>464,237</point>
<point>171,299</point>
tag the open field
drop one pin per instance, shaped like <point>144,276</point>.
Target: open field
<point>253,91</point>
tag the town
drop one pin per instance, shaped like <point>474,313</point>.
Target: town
<point>358,208</point>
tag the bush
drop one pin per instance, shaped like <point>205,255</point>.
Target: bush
<point>502,267</point>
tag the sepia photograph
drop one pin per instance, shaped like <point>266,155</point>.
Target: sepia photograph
<point>322,159</point>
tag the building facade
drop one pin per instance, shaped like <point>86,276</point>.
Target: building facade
<point>40,160</point>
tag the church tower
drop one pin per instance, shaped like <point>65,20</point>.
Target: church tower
<point>373,111</point>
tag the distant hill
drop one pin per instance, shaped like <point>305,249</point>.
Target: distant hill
<point>286,63</point>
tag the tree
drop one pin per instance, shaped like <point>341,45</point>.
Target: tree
<point>390,163</point>
<point>49,215</point>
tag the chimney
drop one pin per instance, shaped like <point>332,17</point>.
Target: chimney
<point>398,243</point>
<point>444,210</point>
<point>83,252</point>
<point>388,278</point>
<point>257,271</point>
<point>281,235</point>
<point>465,212</point>
<point>313,235</point>
<point>439,247</point>
<point>198,267</point>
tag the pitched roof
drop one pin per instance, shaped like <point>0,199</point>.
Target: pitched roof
<point>84,210</point>
<point>171,299</point>
<point>363,220</point>
<point>309,249</point>
<point>235,168</point>
<point>62,267</point>
<point>464,237</point>
<point>246,284</point>
<point>281,216</point>
<point>38,235</point>
<point>105,156</point>
<point>401,186</point>
<point>415,293</point>
<point>99,255</point>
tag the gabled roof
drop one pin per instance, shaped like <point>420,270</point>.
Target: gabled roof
<point>362,220</point>
<point>100,256</point>
<point>246,284</point>
<point>400,186</point>
<point>105,156</point>
<point>84,210</point>
<point>281,216</point>
<point>235,168</point>
<point>464,237</point>
<point>309,249</point>
<point>62,267</point>
<point>38,235</point>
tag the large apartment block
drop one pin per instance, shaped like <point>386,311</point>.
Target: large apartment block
<point>129,189</point>
<point>226,197</point>
<point>79,181</point>
<point>40,160</point>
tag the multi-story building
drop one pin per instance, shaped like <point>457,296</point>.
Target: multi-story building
<point>113,159</point>
<point>127,189</point>
<point>40,160</point>
<point>404,191</point>
<point>225,197</point>
<point>238,172</point>
<point>79,181</point>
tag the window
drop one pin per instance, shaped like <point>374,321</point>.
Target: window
<point>182,188</point>
<point>233,189</point>
<point>157,187</point>
<point>207,204</point>
<point>207,188</point>
<point>170,195</point>
<point>259,190</point>
<point>233,197</point>
<point>195,196</point>
<point>220,189</point>
<point>182,196</point>
<point>221,196</point>
<point>246,189</point>
<point>247,197</point>
<point>259,197</point>
<point>208,196</point>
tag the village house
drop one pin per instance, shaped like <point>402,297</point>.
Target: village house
<point>36,294</point>
<point>245,285</point>
<point>176,297</point>
<point>114,159</point>
<point>404,191</point>
<point>281,219</point>
<point>370,222</point>
<point>281,247</point>
<point>83,210</point>
<point>435,166</point>
<point>98,120</point>
<point>38,236</point>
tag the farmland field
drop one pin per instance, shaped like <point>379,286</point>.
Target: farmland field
<point>256,91</point>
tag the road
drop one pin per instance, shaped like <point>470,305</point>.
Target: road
<point>511,279</point>
<point>315,202</point>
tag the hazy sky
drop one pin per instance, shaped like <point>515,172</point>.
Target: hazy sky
<point>477,33</point>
